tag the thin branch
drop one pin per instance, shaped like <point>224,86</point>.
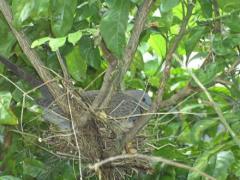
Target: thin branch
<point>151,159</point>
<point>32,56</point>
<point>106,92</point>
<point>26,76</point>
<point>62,64</point>
<point>188,90</point>
<point>180,95</point>
<point>108,55</point>
<point>14,84</point>
<point>166,72</point>
<point>233,67</point>
<point>169,57</point>
<point>216,108</point>
<point>214,19</point>
<point>136,32</point>
<point>217,26</point>
<point>75,136</point>
<point>94,80</point>
<point>116,70</point>
<point>161,113</point>
<point>45,74</point>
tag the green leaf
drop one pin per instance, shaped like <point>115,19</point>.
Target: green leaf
<point>87,10</point>
<point>138,63</point>
<point>167,150</point>
<point>113,26</point>
<point>62,14</point>
<point>22,10</point>
<point>218,46</point>
<point>206,7</point>
<point>190,107</point>
<point>39,42</point>
<point>134,83</point>
<point>56,43</point>
<point>200,164</point>
<point>33,167</point>
<point>89,52</point>
<point>228,6</point>
<point>7,40</point>
<point>225,45</point>
<point>25,11</point>
<point>68,172</point>
<point>76,65</point>
<point>231,22</point>
<point>41,9</point>
<point>206,76</point>
<point>185,135</point>
<point>223,163</point>
<point>193,38</point>
<point>199,128</point>
<point>6,115</point>
<point>151,67</point>
<point>74,37</point>
<point>158,44</point>
<point>167,5</point>
<point>136,1</point>
<point>9,178</point>
<point>165,21</point>
<point>154,81</point>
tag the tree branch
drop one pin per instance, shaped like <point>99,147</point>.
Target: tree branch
<point>180,95</point>
<point>166,72</point>
<point>116,70</point>
<point>136,32</point>
<point>168,60</point>
<point>217,26</point>
<point>149,159</point>
<point>44,74</point>
<point>106,92</point>
<point>107,54</point>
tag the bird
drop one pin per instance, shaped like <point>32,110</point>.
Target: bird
<point>124,108</point>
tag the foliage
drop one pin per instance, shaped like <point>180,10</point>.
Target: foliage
<point>194,136</point>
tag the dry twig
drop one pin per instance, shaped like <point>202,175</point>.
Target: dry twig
<point>152,159</point>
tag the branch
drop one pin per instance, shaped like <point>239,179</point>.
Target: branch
<point>116,70</point>
<point>106,93</point>
<point>107,54</point>
<point>150,159</point>
<point>180,95</point>
<point>166,72</point>
<point>217,109</point>
<point>44,74</point>
<point>233,67</point>
<point>188,90</point>
<point>217,26</point>
<point>168,60</point>
<point>136,32</point>
<point>32,56</point>
<point>62,65</point>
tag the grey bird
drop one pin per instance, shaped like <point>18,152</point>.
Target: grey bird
<point>124,107</point>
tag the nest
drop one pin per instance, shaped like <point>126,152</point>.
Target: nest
<point>101,137</point>
<point>63,143</point>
